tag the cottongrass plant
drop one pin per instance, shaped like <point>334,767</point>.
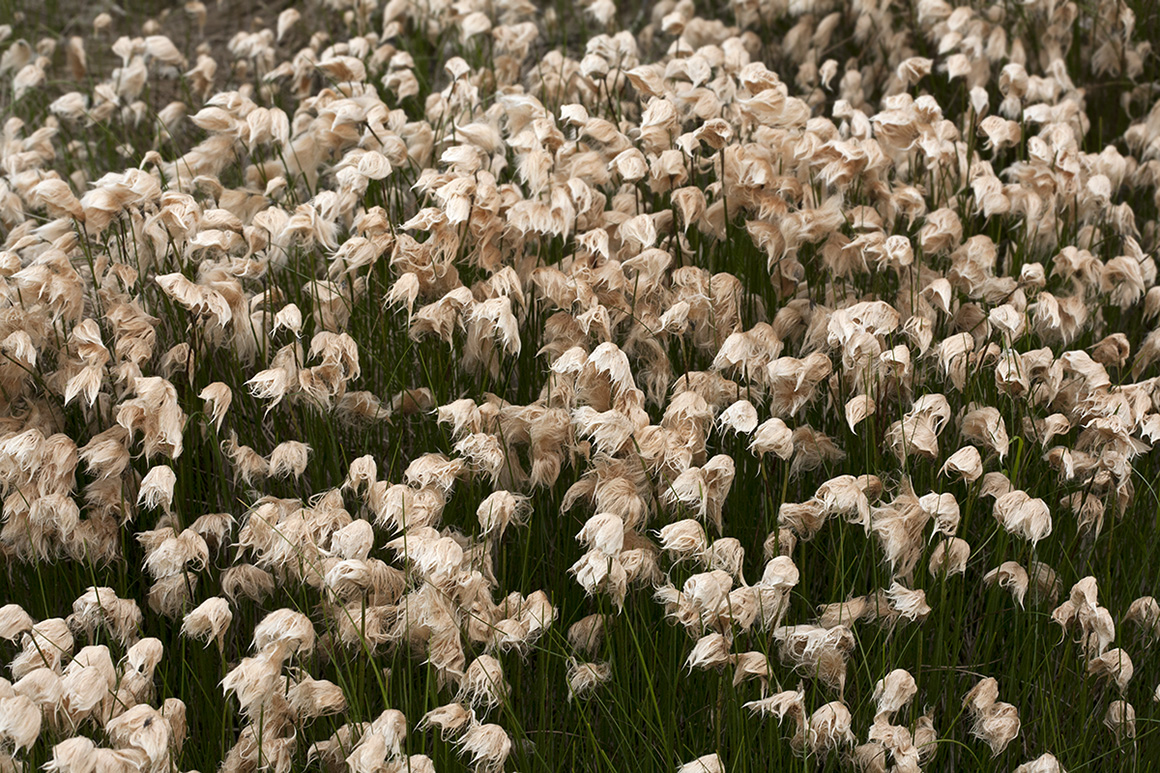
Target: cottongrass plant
<point>525,386</point>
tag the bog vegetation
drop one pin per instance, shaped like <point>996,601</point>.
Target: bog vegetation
<point>418,385</point>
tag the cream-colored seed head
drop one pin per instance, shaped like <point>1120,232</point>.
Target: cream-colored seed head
<point>157,488</point>
<point>313,698</point>
<point>483,683</point>
<point>449,720</point>
<point>604,533</point>
<point>283,633</point>
<point>209,621</point>
<point>998,726</point>
<point>950,556</point>
<point>829,728</point>
<point>685,539</point>
<point>1044,763</point>
<point>47,644</point>
<point>253,681</point>
<point>709,763</point>
<point>218,398</point>
<point>1012,576</point>
<point>710,651</point>
<point>893,692</point>
<point>289,459</point>
<point>14,622</point>
<point>1120,718</point>
<point>821,652</point>
<point>20,720</point>
<point>587,634</point>
<point>488,745</point>
<point>1115,664</point>
<point>583,678</point>
<point>144,729</point>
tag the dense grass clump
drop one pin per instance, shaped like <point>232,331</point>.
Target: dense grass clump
<point>508,386</point>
